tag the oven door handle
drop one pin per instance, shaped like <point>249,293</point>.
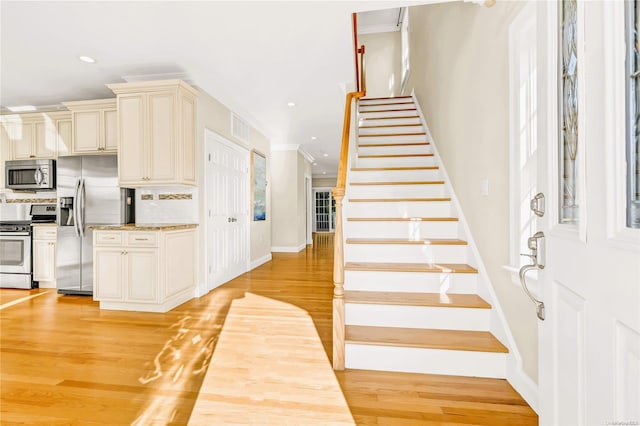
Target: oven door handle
<point>75,208</point>
<point>9,235</point>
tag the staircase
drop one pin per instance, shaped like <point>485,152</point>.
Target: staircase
<point>411,290</point>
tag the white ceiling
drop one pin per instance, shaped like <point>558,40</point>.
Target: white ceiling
<point>252,56</point>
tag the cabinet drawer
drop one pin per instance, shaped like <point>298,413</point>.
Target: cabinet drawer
<point>142,239</point>
<point>44,232</point>
<point>108,238</point>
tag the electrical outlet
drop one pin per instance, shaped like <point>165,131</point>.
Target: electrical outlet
<point>484,186</point>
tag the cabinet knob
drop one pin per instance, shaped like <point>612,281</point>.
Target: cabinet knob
<point>32,156</point>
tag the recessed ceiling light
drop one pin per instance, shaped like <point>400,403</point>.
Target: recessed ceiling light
<point>324,173</point>
<point>21,108</point>
<point>87,59</point>
<point>315,164</point>
<point>313,138</point>
<point>291,104</point>
<point>325,155</point>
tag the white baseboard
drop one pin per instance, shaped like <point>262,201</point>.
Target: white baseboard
<point>288,249</point>
<point>262,260</point>
<point>522,383</point>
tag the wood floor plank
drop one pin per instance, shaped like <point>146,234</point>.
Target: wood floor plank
<point>64,361</point>
<point>440,300</point>
<point>454,268</point>
<point>455,340</point>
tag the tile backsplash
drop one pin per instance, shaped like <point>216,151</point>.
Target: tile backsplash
<point>167,205</point>
<point>16,205</point>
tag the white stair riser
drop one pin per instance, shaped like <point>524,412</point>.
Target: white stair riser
<point>389,121</point>
<point>397,191</point>
<point>394,175</point>
<point>384,101</point>
<point>386,130</point>
<point>393,139</point>
<point>383,114</point>
<point>427,361</point>
<point>412,282</point>
<point>399,209</point>
<point>410,253</point>
<point>471,319</point>
<point>387,107</point>
<point>395,162</point>
<point>401,229</point>
<point>397,149</point>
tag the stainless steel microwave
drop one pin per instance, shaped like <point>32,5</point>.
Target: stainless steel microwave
<point>31,175</point>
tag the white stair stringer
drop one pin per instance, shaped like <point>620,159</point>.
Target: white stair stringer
<point>408,238</point>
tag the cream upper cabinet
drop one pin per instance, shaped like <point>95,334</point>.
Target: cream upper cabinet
<point>64,128</point>
<point>156,133</point>
<point>94,126</point>
<point>34,135</point>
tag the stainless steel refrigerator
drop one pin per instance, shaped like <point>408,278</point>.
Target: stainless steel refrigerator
<point>88,194</point>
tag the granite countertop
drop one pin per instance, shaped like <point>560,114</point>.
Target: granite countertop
<point>143,227</point>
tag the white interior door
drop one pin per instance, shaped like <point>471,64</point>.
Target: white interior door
<point>228,195</point>
<point>589,341</point>
<point>323,210</point>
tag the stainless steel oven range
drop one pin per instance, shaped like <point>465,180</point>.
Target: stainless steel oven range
<point>15,255</point>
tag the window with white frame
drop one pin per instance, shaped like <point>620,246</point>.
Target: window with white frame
<point>633,115</point>
<point>568,109</point>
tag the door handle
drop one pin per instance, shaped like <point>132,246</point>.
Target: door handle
<point>537,247</point>
<point>537,204</point>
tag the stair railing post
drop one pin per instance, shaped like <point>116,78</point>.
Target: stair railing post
<point>338,285</point>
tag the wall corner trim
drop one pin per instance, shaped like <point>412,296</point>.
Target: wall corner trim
<point>260,261</point>
<point>288,249</point>
<point>292,147</point>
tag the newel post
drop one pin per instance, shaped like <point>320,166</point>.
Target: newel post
<point>338,282</point>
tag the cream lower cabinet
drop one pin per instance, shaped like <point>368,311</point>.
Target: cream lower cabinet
<point>143,270</point>
<point>44,256</point>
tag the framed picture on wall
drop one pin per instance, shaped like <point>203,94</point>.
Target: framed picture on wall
<point>259,183</point>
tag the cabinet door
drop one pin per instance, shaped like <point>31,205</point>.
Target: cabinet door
<point>162,152</point>
<point>142,275</point>
<point>110,130</point>
<point>46,142</point>
<point>188,140</point>
<point>5,152</point>
<point>64,129</point>
<point>108,274</point>
<point>86,132</point>
<point>131,133</point>
<point>44,260</point>
<point>21,140</point>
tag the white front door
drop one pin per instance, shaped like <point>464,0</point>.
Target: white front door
<point>589,341</point>
<point>227,175</point>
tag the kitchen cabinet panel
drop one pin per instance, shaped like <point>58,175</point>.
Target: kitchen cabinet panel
<point>108,274</point>
<point>111,130</point>
<point>34,135</point>
<point>65,134</point>
<point>94,126</point>
<point>46,140</point>
<point>156,136</point>
<point>142,272</point>
<point>44,255</point>
<point>21,141</point>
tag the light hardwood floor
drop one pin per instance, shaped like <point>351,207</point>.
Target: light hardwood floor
<point>64,361</point>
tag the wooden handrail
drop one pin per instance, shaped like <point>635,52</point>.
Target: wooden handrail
<point>338,195</point>
<point>354,17</point>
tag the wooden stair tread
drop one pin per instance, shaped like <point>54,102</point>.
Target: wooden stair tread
<point>455,340</point>
<point>396,200</point>
<point>402,219</point>
<point>399,117</point>
<point>393,134</point>
<point>454,268</point>
<point>388,110</point>
<point>373,145</point>
<point>437,300</point>
<point>431,182</point>
<point>384,103</point>
<point>388,97</point>
<point>394,155</point>
<point>390,125</point>
<point>421,241</point>
<point>365,169</point>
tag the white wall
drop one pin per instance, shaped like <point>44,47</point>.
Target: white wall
<point>459,71</point>
<point>329,182</point>
<point>289,224</point>
<point>382,63</point>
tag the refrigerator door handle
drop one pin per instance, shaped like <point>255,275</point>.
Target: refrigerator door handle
<point>80,217</point>
<point>75,208</point>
